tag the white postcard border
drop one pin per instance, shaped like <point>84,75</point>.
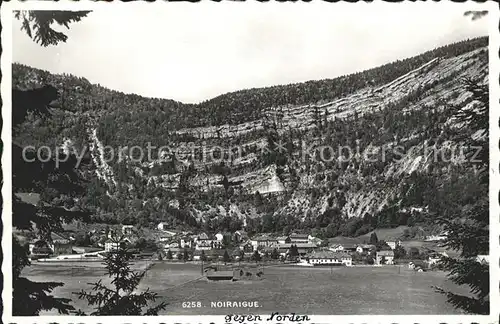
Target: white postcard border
<point>494,132</point>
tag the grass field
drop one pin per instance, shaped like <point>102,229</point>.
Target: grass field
<point>74,275</point>
<point>353,290</point>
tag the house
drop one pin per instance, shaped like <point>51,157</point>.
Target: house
<point>336,248</point>
<point>283,239</point>
<point>393,244</point>
<point>205,245</point>
<point>217,244</point>
<point>127,229</point>
<point>247,247</point>
<point>263,241</point>
<point>162,226</point>
<point>315,240</point>
<point>60,244</point>
<point>219,237</point>
<point>302,248</point>
<point>328,258</point>
<point>436,238</point>
<point>385,257</point>
<point>299,238</point>
<point>201,237</point>
<point>343,247</point>
<point>220,275</point>
<point>365,248</point>
<point>40,248</point>
<point>113,245</point>
<point>418,265</point>
<point>240,236</point>
<point>185,242</point>
<point>434,258</point>
<point>351,248</point>
<point>165,238</point>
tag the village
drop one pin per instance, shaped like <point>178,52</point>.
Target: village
<point>167,244</point>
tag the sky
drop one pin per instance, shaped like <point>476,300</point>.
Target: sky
<point>194,52</point>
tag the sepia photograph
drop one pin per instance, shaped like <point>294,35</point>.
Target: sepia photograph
<point>251,161</point>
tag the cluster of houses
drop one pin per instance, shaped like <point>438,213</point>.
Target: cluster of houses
<point>307,249</point>
<point>385,256</point>
<point>242,245</point>
<point>57,245</point>
<point>61,244</point>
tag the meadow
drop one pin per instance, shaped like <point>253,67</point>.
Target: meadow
<point>284,289</point>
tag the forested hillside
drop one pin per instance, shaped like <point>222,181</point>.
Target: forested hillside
<point>267,181</point>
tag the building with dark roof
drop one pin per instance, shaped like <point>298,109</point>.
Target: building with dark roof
<point>299,238</point>
<point>219,275</point>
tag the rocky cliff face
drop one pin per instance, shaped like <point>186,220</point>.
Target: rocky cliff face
<point>289,160</point>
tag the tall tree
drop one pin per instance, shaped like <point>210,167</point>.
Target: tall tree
<point>256,256</point>
<point>275,254</point>
<point>226,257</point>
<point>294,251</point>
<point>373,238</point>
<point>185,255</point>
<point>469,233</point>
<point>121,299</point>
<point>56,175</point>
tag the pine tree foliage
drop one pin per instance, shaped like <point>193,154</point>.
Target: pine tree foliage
<point>122,298</point>
<point>469,233</point>
<point>57,182</point>
<point>37,24</point>
<point>64,183</point>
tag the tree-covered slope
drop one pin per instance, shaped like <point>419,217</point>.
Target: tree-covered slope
<point>273,177</point>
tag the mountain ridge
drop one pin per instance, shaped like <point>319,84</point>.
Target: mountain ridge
<point>278,191</point>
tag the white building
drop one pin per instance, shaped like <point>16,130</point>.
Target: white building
<point>263,241</point>
<point>114,244</point>
<point>127,229</point>
<point>366,248</point>
<point>436,238</point>
<point>219,237</point>
<point>393,244</point>
<point>328,258</point>
<point>203,245</point>
<point>336,248</point>
<point>185,242</point>
<point>162,226</point>
<point>111,246</point>
<point>315,240</point>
